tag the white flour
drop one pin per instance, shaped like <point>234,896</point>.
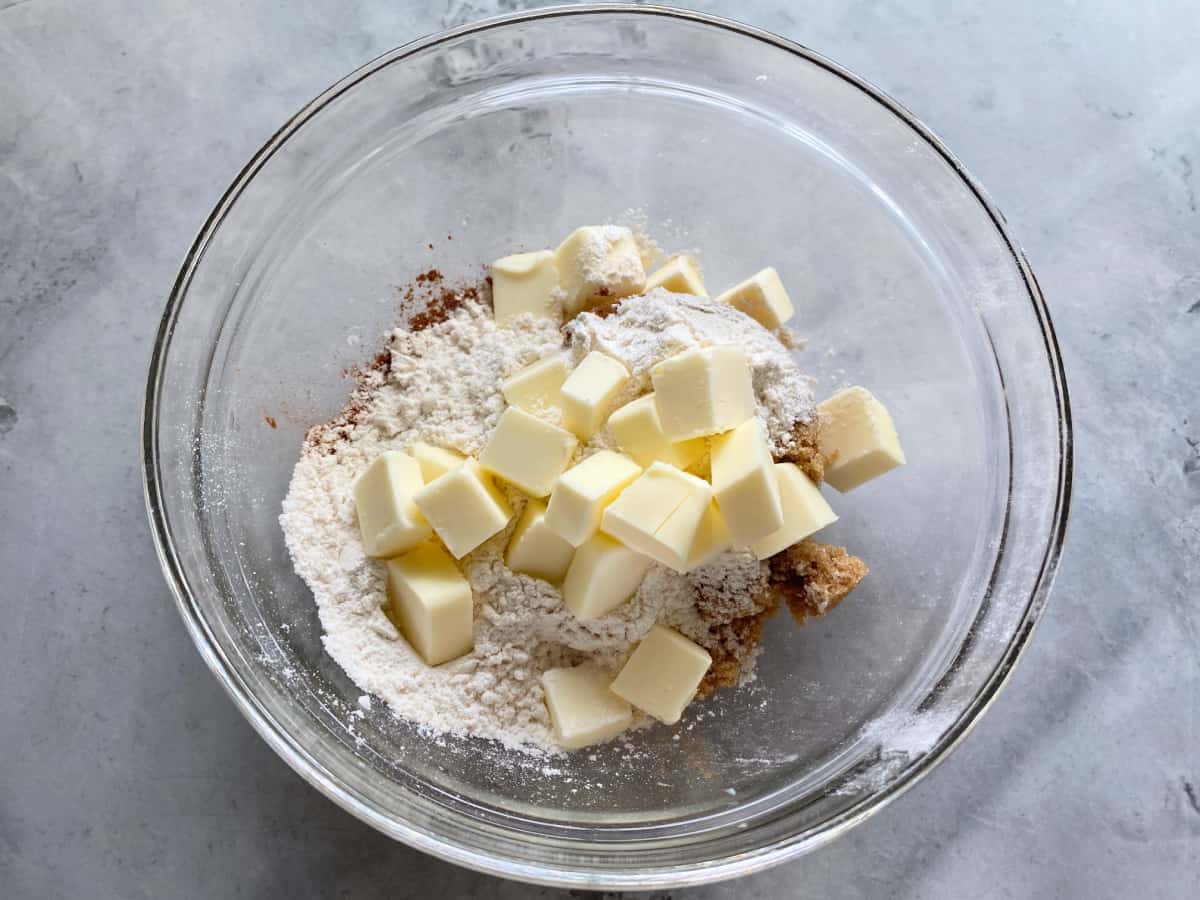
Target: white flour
<point>443,388</point>
<point>604,274</point>
<point>662,324</point>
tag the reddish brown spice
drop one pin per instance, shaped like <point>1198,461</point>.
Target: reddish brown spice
<point>425,302</point>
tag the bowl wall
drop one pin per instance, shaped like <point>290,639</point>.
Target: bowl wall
<point>740,146</point>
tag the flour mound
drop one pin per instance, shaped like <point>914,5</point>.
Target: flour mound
<point>441,385</point>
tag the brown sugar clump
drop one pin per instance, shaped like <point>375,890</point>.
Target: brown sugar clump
<point>804,451</point>
<point>733,602</point>
<point>735,644</point>
<point>813,578</point>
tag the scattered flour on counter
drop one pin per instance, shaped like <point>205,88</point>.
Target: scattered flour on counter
<point>441,385</point>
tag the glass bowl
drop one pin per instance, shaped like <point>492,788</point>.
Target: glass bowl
<point>456,149</point>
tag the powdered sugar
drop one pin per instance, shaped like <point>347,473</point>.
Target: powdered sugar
<point>442,387</point>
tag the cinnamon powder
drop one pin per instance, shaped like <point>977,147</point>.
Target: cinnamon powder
<point>426,301</point>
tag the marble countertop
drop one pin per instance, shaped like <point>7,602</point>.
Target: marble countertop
<point>125,770</point>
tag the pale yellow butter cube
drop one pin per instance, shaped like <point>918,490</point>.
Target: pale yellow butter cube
<point>430,602</point>
<point>744,482</point>
<point>582,709</point>
<point>536,388</point>
<point>680,275</point>
<point>660,514</point>
<point>805,512</point>
<point>712,538</point>
<point>596,263</point>
<point>603,575</point>
<point>388,520</point>
<point>663,673</point>
<point>525,283</point>
<point>638,431</point>
<point>858,439</point>
<point>535,549</point>
<point>582,492</point>
<point>762,297</point>
<point>588,392</point>
<point>435,461</point>
<point>464,507</point>
<point>703,391</point>
<point>527,452</point>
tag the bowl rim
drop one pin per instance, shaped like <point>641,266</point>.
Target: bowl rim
<point>312,771</point>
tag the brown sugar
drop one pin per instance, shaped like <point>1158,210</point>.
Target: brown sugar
<point>734,644</point>
<point>813,578</point>
<point>805,452</point>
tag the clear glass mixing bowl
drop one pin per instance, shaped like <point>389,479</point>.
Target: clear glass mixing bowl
<point>510,133</point>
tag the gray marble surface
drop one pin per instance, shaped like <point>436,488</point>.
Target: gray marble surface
<point>125,771</point>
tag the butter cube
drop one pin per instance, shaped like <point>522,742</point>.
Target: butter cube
<point>536,388</point>
<point>663,673</point>
<point>805,512</point>
<point>525,283</point>
<point>582,709</point>
<point>582,492</point>
<point>858,438</point>
<point>598,262</point>
<point>660,514</point>
<point>712,538</point>
<point>680,275</point>
<point>603,575</point>
<point>464,507</point>
<point>588,392</point>
<point>430,602</point>
<point>388,520</point>
<point>703,391</point>
<point>744,482</point>
<point>435,461</point>
<point>527,452</point>
<point>638,431</point>
<point>762,297</point>
<point>534,549</point>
